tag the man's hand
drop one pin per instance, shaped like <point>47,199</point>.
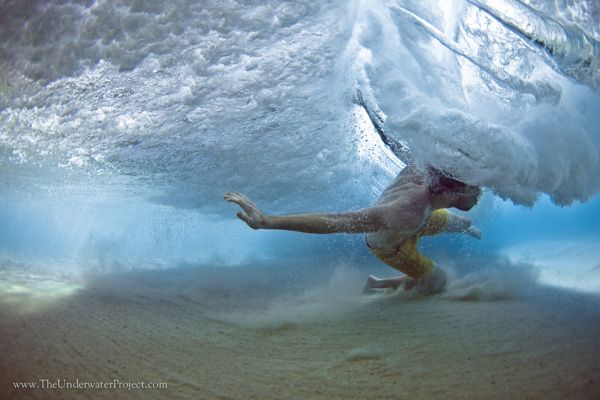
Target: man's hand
<point>251,215</point>
<point>475,232</point>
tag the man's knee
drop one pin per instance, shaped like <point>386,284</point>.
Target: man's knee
<point>434,283</point>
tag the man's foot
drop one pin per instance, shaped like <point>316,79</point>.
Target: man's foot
<point>433,284</point>
<point>375,285</point>
<point>475,232</point>
<point>372,283</point>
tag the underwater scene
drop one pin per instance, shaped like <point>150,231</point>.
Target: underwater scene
<point>125,274</point>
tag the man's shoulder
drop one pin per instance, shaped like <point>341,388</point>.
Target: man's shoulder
<point>411,193</point>
<point>407,210</point>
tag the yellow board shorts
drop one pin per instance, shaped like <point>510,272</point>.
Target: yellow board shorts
<point>405,255</point>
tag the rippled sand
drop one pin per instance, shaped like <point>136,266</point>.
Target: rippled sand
<point>219,335</point>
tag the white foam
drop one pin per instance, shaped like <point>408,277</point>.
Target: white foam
<point>174,89</point>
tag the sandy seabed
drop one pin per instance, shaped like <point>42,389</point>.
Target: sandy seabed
<point>218,335</point>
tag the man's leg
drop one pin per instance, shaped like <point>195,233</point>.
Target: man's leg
<point>434,283</point>
<point>386,283</point>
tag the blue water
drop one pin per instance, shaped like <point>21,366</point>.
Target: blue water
<point>122,125</point>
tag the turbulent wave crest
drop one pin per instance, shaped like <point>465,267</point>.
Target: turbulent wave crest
<point>155,95</point>
<point>499,93</point>
<point>502,94</point>
<point>151,95</point>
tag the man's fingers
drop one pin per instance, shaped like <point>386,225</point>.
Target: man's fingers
<point>232,198</point>
<point>250,212</point>
<point>243,216</point>
<point>236,197</point>
<point>249,221</point>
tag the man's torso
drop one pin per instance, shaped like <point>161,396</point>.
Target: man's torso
<point>407,195</point>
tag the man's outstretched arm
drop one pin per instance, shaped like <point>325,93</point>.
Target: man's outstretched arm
<point>360,221</point>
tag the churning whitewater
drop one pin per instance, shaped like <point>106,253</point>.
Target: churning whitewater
<point>148,97</point>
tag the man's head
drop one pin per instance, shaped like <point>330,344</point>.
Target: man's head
<point>456,193</point>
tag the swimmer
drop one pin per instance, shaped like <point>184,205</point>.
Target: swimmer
<point>413,206</point>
